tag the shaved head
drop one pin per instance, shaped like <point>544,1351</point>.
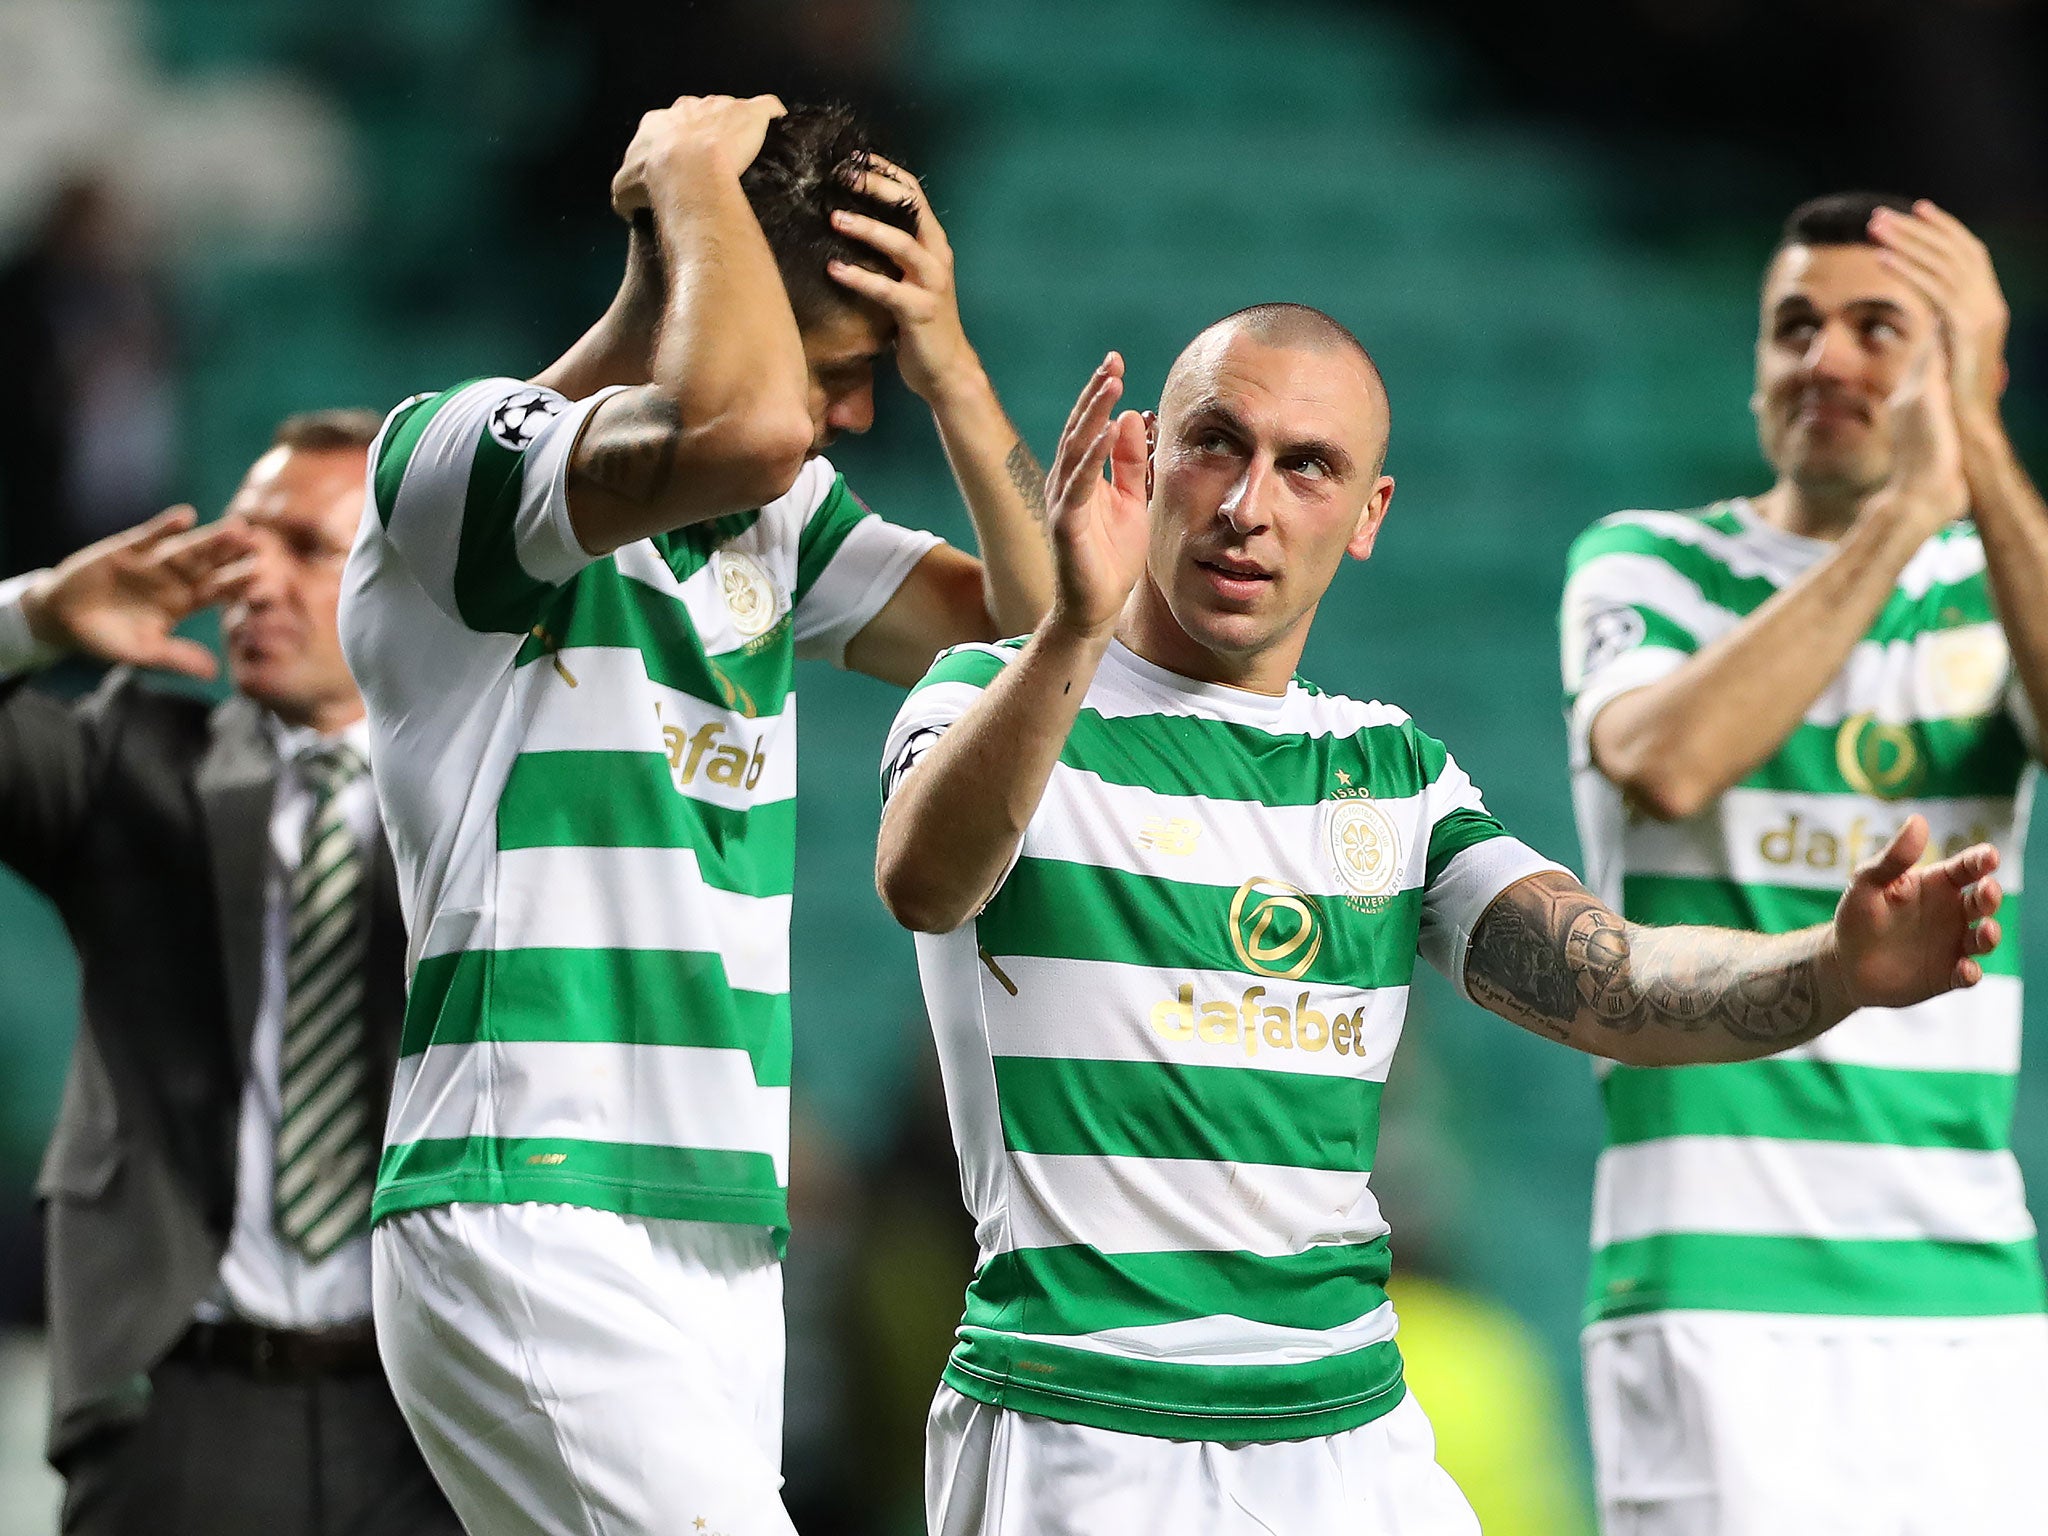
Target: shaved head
<point>1290,327</point>
<point>1266,464</point>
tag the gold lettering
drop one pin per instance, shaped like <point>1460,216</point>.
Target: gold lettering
<point>759,762</point>
<point>1341,1033</point>
<point>700,743</point>
<point>1219,1022</point>
<point>672,737</point>
<point>1251,1019</point>
<point>1823,852</point>
<point>1176,1021</point>
<point>1786,837</point>
<point>1307,1019</point>
<point>1280,1029</point>
<point>728,766</point>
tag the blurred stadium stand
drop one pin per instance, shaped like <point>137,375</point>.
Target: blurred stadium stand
<point>352,208</point>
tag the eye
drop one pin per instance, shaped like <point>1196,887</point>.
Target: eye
<point>1210,440</point>
<point>1309,466</point>
<point>1883,331</point>
<point>1796,332</point>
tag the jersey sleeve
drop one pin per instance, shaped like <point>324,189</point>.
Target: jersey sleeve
<point>945,693</point>
<point>849,563</point>
<point>1471,860</point>
<point>2021,708</point>
<point>469,487</point>
<point>1630,617</point>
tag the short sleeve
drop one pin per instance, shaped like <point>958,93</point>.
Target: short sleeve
<point>1471,860</point>
<point>957,678</point>
<point>470,487</point>
<point>1629,618</point>
<point>849,564</point>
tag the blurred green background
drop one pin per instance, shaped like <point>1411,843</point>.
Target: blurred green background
<point>352,204</point>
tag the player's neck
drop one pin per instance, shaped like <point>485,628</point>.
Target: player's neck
<point>1150,631</point>
<point>1809,513</point>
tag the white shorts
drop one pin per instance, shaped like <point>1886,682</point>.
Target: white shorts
<point>1734,1424</point>
<point>570,1372</point>
<point>991,1472</point>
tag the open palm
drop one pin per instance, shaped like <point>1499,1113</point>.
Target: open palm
<point>1907,931</point>
<point>120,599</point>
<point>1099,527</point>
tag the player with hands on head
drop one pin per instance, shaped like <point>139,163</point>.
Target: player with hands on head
<point>1168,898</point>
<point>614,567</point>
<point>1761,692</point>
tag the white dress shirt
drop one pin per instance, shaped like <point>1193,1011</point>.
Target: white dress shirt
<point>262,1277</point>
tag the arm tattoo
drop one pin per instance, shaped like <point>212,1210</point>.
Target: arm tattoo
<point>629,452</point>
<point>1028,478</point>
<point>1550,956</point>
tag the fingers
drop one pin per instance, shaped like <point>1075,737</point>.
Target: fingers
<point>1112,363</point>
<point>169,521</point>
<point>145,536</point>
<point>1969,867</point>
<point>1924,241</point>
<point>188,658</point>
<point>1901,855</point>
<point>1129,456</point>
<point>195,556</point>
<point>1084,442</point>
<point>226,584</point>
<point>899,245</point>
<point>888,182</point>
<point>1982,899</point>
<point>1984,937</point>
<point>1967,973</point>
<point>891,293</point>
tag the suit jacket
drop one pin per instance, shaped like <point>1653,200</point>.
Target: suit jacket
<point>145,817</point>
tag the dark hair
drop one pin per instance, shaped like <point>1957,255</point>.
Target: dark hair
<point>809,161</point>
<point>1839,218</point>
<point>327,431</point>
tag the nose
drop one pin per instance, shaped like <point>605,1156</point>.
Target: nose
<point>853,411</point>
<point>1244,506</point>
<point>1833,353</point>
<point>267,571</point>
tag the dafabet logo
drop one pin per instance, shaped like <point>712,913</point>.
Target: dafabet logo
<point>1275,928</point>
<point>1250,1022</point>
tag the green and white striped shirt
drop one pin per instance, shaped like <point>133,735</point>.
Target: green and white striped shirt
<point>1866,1173</point>
<point>1164,1040</point>
<point>587,770</point>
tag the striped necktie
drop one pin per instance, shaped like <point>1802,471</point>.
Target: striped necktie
<point>326,1146</point>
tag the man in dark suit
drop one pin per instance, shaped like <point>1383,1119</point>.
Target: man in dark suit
<point>222,873</point>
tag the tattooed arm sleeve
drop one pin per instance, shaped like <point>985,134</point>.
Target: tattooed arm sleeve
<point>1551,957</point>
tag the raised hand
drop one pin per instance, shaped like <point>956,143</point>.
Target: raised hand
<point>120,599</point>
<point>1099,527</point>
<point>719,134</point>
<point>1935,252</point>
<point>1927,478</point>
<point>1905,932</point>
<point>931,344</point>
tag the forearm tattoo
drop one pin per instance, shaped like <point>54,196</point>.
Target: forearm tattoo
<point>1029,479</point>
<point>1550,955</point>
<point>630,451</point>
